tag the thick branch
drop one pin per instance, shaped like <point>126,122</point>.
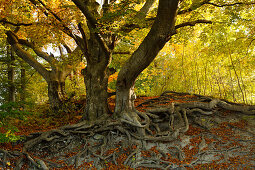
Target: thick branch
<point>49,58</point>
<point>145,9</point>
<point>192,23</point>
<point>83,41</point>
<point>13,40</point>
<point>159,34</point>
<point>93,24</point>
<point>141,15</point>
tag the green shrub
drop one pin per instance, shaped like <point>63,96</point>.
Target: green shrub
<point>9,112</point>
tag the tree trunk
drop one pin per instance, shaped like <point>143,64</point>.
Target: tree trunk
<point>125,98</point>
<point>56,95</point>
<point>162,30</point>
<point>23,84</point>
<point>11,75</point>
<point>96,92</point>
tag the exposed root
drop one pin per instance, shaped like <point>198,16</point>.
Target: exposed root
<point>46,136</point>
<point>23,158</point>
<point>94,139</point>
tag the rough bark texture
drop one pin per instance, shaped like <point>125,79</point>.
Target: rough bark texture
<point>159,34</point>
<point>57,96</point>
<point>96,81</point>
<point>125,100</point>
<point>96,93</point>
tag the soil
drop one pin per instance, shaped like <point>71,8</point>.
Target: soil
<point>213,138</point>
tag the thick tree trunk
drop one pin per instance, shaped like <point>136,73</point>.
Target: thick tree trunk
<point>96,77</point>
<point>162,30</point>
<point>125,98</point>
<point>96,92</point>
<point>56,95</point>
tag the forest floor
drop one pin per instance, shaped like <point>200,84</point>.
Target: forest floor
<point>222,140</point>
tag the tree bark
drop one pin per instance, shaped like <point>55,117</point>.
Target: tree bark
<point>96,80</point>
<point>23,84</point>
<point>56,95</point>
<point>11,74</point>
<point>96,92</point>
<point>162,30</point>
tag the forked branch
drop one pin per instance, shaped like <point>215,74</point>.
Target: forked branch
<point>93,24</point>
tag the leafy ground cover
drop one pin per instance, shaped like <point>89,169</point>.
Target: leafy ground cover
<point>216,139</point>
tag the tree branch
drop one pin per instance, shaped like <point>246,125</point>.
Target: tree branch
<point>141,15</point>
<point>122,52</point>
<point>145,9</point>
<point>49,58</point>
<point>192,23</point>
<point>13,41</point>
<point>233,4</point>
<point>65,28</point>
<point>194,6</point>
<point>41,8</point>
<point>106,6</point>
<point>48,9</point>
<point>93,24</point>
<point>160,33</point>
<point>68,49</point>
<point>85,43</point>
<point>4,20</point>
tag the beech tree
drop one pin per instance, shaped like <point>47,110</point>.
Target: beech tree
<point>95,35</point>
<point>55,77</point>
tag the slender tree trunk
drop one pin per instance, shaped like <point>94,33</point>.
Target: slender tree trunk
<point>23,84</point>
<point>11,72</point>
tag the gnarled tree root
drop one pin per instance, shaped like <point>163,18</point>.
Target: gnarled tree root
<point>163,124</point>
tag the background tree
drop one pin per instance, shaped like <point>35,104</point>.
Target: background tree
<point>55,77</point>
